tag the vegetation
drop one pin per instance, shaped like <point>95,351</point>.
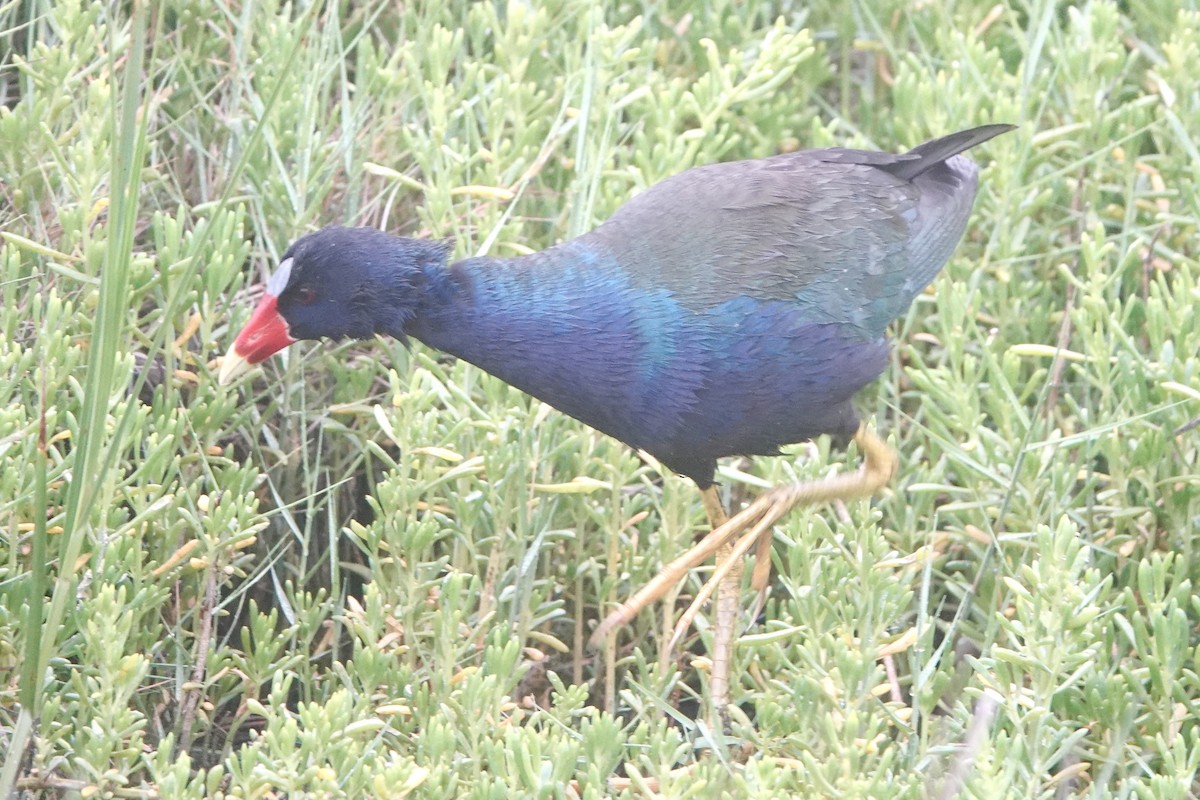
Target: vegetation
<point>373,575</point>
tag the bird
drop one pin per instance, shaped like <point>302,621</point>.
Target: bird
<point>728,310</point>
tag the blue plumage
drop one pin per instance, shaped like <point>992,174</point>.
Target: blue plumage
<point>729,310</point>
<point>688,386</point>
<point>584,340</point>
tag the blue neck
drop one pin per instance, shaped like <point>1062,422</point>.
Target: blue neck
<point>564,325</point>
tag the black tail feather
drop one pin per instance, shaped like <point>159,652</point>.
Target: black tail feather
<point>930,154</point>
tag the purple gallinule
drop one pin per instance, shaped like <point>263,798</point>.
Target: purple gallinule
<point>728,310</point>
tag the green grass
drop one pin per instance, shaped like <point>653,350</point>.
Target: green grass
<point>370,572</point>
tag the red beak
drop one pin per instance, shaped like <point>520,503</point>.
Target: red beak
<point>264,335</point>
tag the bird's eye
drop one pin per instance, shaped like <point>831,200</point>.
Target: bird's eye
<point>305,296</point>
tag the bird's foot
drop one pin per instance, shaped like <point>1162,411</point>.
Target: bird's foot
<point>749,527</point>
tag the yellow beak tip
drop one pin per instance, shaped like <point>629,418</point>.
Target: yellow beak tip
<point>232,365</point>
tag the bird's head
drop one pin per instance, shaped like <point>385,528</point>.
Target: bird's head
<point>336,283</point>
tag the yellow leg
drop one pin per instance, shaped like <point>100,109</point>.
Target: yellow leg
<point>879,464</point>
<point>729,564</point>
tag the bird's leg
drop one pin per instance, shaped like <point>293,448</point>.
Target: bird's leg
<point>879,464</point>
<point>729,564</point>
<point>761,574</point>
